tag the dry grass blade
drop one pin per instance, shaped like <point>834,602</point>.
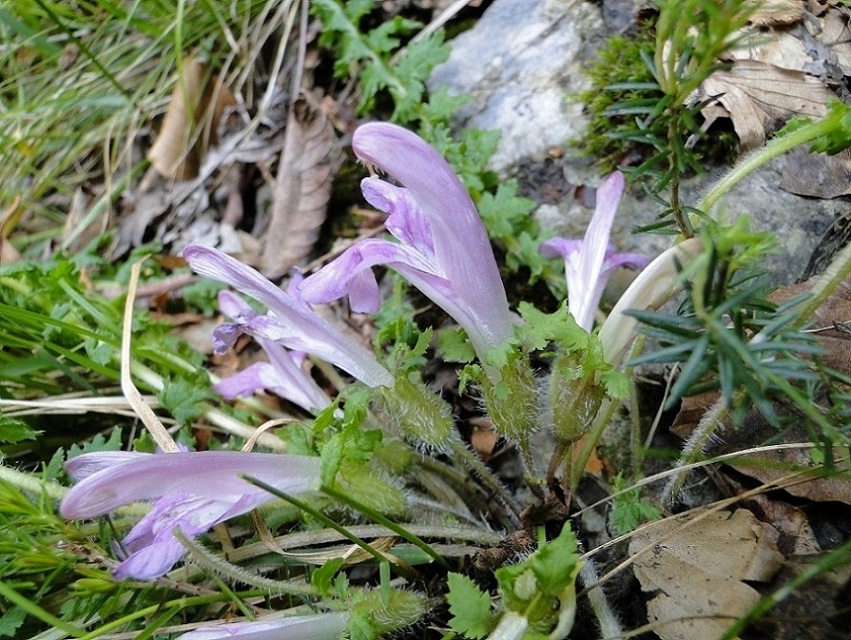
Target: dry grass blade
<point>302,189</point>
<point>159,433</point>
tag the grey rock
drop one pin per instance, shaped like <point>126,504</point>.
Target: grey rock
<point>522,64</point>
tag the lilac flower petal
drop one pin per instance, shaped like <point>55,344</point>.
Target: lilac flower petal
<point>293,382</point>
<point>595,244</point>
<point>563,247</point>
<point>284,378</point>
<point>627,260</point>
<point>406,220</point>
<point>364,296</point>
<point>304,330</point>
<point>589,263</point>
<point>206,474</point>
<point>232,305</point>
<point>225,336</point>
<point>321,626</point>
<point>151,548</point>
<point>462,251</point>
<point>332,281</point>
<point>255,377</point>
<point>283,374</point>
<point>83,466</point>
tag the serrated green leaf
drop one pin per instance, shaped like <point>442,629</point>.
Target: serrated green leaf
<point>11,621</point>
<point>13,431</point>
<point>323,577</point>
<point>541,328</point>
<point>472,614</point>
<point>534,587</point>
<point>331,457</point>
<point>616,384</point>
<point>184,398</point>
<point>98,443</point>
<point>455,346</point>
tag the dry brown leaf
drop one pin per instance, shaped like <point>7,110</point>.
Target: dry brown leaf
<point>835,35</point>
<point>781,49</point>
<point>775,12</point>
<point>483,438</point>
<point>796,534</point>
<point>817,175</point>
<point>758,97</point>
<point>698,573</point>
<point>301,192</point>
<point>191,122</point>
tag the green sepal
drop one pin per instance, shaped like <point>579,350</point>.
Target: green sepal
<point>420,415</point>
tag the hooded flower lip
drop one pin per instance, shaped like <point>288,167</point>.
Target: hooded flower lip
<point>290,321</point>
<point>589,262</point>
<point>193,491</point>
<point>322,626</point>
<point>283,374</point>
<point>444,250</point>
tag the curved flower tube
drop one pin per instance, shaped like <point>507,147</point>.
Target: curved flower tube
<point>322,626</point>
<point>290,321</point>
<point>283,374</point>
<point>193,491</point>
<point>443,248</point>
<point>588,263</point>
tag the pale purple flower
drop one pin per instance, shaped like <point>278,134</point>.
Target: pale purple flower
<point>321,626</point>
<point>589,262</point>
<point>290,321</point>
<point>282,375</point>
<point>443,248</point>
<point>193,491</point>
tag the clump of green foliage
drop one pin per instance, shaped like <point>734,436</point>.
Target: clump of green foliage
<point>641,96</point>
<point>620,60</point>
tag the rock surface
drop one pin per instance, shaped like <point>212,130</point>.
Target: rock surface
<point>522,64</point>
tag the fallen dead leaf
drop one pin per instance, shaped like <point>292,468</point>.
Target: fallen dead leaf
<point>302,188</point>
<point>191,122</point>
<point>781,49</point>
<point>776,12</point>
<point>759,97</point>
<point>699,574</point>
<point>483,438</point>
<point>796,534</point>
<point>816,175</point>
<point>835,35</point>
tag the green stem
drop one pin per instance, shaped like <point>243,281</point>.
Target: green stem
<point>674,166</point>
<point>773,149</point>
<point>577,467</point>
<point>31,483</point>
<point>316,513</point>
<point>474,463</point>
<point>837,272</point>
<point>376,517</point>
